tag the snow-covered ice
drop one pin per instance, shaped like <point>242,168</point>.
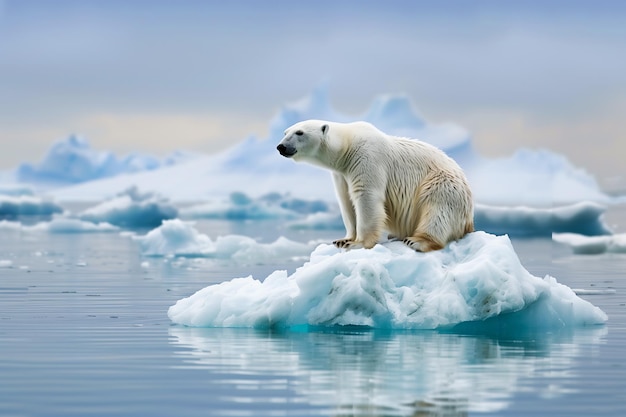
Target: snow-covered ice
<point>478,279</point>
<point>133,209</point>
<point>179,238</point>
<point>592,245</point>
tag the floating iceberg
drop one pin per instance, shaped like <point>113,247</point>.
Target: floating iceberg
<point>132,209</point>
<point>240,206</point>
<point>178,238</point>
<point>27,205</point>
<point>583,218</point>
<point>592,245</point>
<point>478,279</point>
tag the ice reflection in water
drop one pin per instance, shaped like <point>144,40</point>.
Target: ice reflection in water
<point>361,372</point>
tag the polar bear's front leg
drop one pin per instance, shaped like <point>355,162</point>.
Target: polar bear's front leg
<point>347,211</point>
<point>369,209</point>
<point>370,219</point>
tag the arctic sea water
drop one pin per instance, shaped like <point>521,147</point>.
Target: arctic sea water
<point>84,331</point>
<point>84,295</point>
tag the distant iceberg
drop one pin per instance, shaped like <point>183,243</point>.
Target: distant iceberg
<point>26,205</point>
<point>538,178</point>
<point>59,225</point>
<point>73,160</point>
<point>532,178</point>
<point>592,245</point>
<point>478,280</point>
<point>240,206</point>
<point>584,218</point>
<point>178,238</point>
<point>132,209</point>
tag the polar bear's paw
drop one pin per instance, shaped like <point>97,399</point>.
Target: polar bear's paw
<point>347,243</point>
<point>421,243</point>
<point>413,243</point>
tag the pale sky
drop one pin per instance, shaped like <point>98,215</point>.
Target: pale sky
<point>155,76</point>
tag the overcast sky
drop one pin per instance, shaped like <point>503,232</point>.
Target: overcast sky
<point>155,76</point>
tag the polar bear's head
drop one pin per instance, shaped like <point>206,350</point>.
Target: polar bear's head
<point>303,140</point>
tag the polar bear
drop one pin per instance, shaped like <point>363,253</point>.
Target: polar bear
<point>407,187</point>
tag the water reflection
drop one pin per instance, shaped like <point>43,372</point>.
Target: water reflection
<point>373,373</point>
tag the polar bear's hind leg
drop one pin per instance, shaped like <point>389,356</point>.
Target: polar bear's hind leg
<point>441,205</point>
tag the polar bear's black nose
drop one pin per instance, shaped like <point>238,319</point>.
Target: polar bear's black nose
<point>286,151</point>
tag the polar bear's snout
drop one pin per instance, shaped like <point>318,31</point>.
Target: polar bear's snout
<point>286,151</point>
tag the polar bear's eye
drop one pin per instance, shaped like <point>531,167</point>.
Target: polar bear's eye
<point>299,132</point>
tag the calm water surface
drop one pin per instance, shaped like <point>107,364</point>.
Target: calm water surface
<point>84,332</point>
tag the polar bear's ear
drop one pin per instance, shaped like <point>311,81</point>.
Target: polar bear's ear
<point>324,129</point>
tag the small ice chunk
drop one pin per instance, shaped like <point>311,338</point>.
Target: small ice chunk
<point>592,245</point>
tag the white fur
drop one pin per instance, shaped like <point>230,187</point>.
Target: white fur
<point>407,187</point>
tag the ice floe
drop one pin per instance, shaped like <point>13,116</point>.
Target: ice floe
<point>478,279</point>
<point>178,238</point>
<point>592,245</point>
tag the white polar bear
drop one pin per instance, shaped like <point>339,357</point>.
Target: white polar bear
<point>407,187</point>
